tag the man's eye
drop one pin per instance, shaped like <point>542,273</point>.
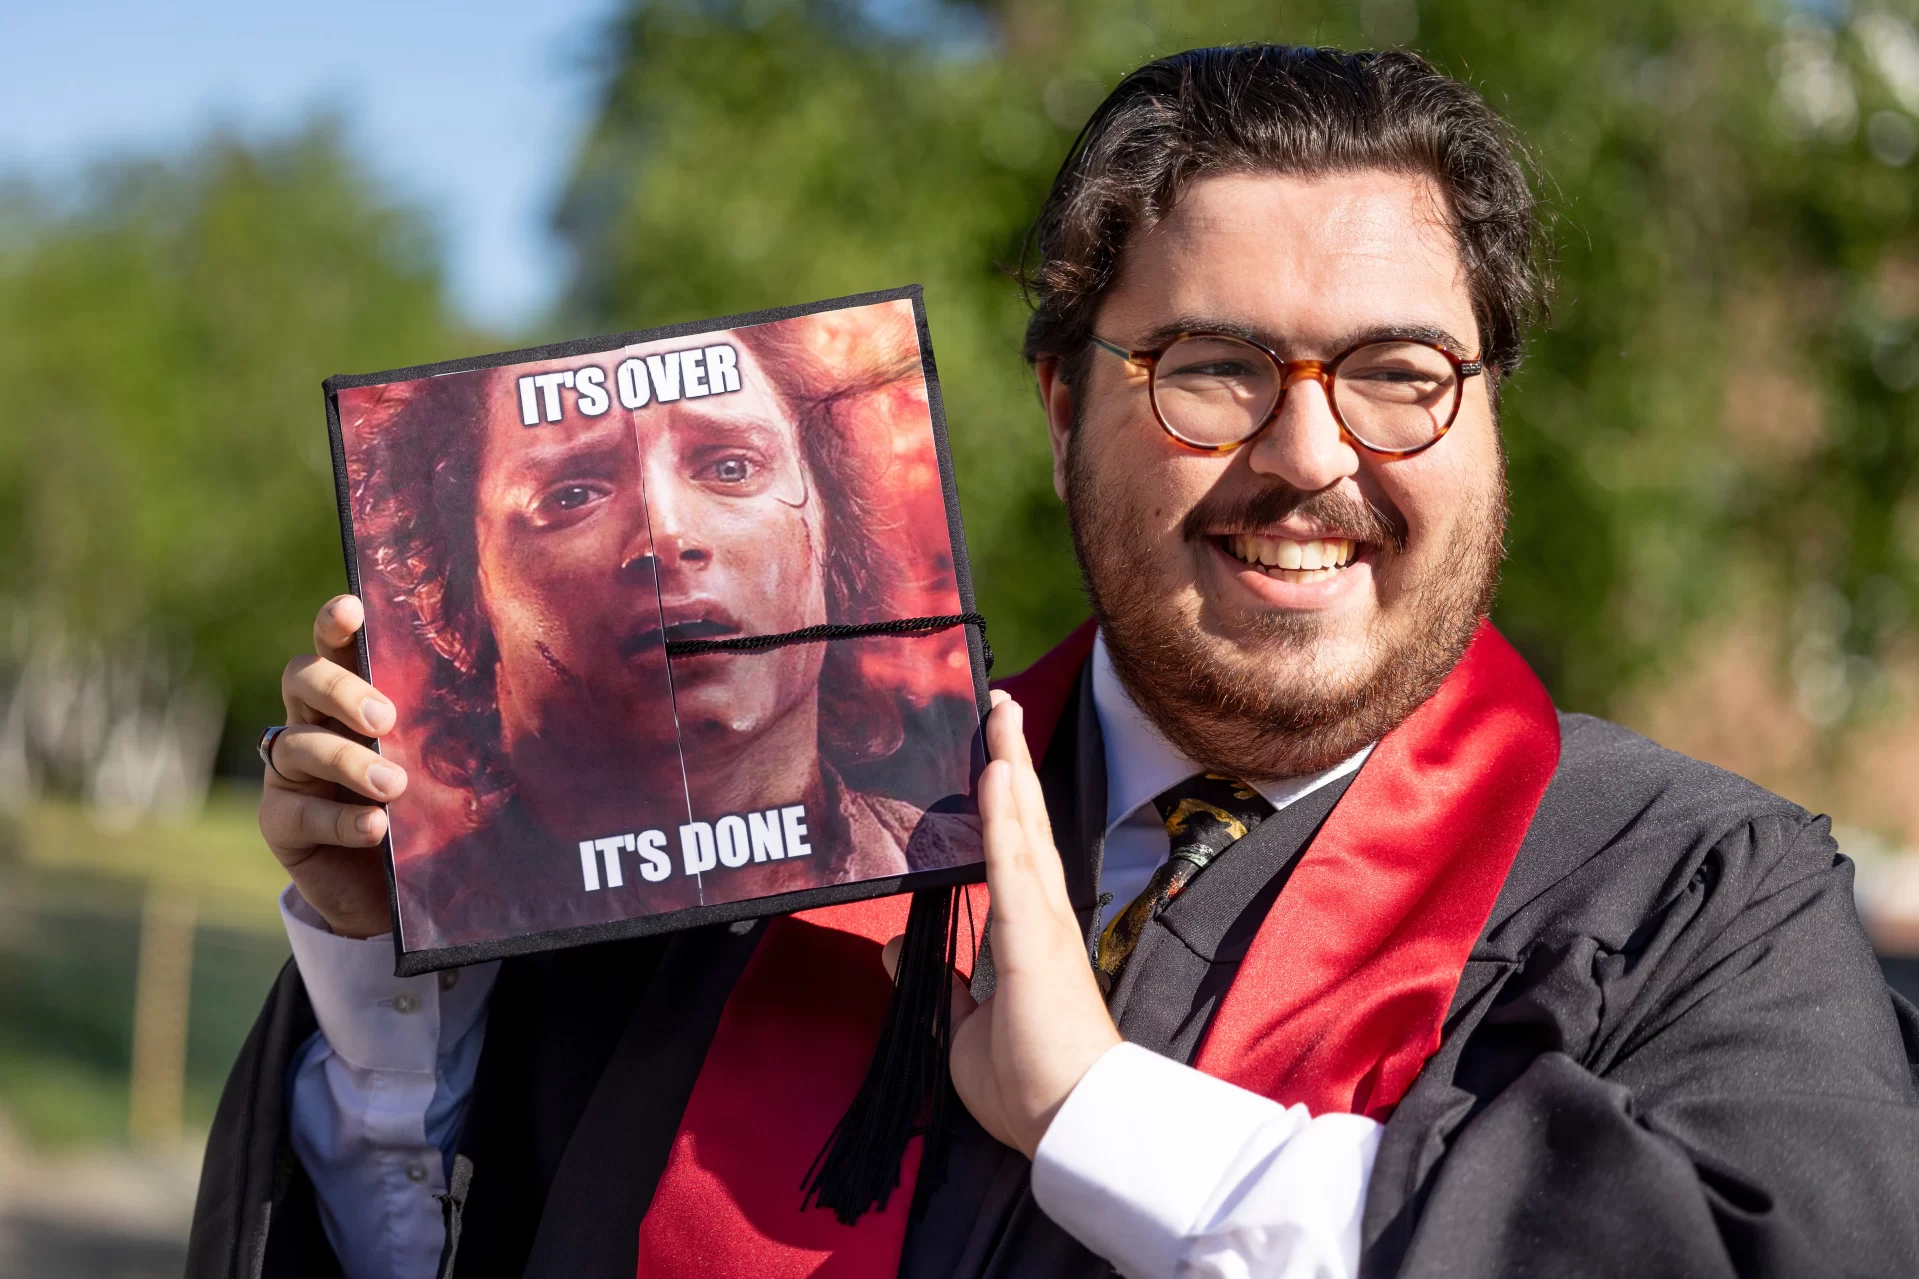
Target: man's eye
<point>563,500</point>
<point>732,470</point>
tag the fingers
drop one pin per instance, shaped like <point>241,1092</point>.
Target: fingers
<point>316,689</point>
<point>1015,872</point>
<point>1014,746</point>
<point>1006,740</point>
<point>1002,833</point>
<point>333,629</point>
<point>294,822</point>
<point>1005,736</point>
<point>306,753</point>
<point>963,1003</point>
<point>1022,801</point>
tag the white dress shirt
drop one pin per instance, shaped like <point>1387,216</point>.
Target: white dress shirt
<point>378,1094</point>
<point>1225,1183</point>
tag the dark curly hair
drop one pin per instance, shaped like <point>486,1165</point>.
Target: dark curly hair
<point>1289,110</point>
<point>413,461</point>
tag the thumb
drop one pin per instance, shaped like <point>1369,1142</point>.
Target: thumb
<point>963,1001</point>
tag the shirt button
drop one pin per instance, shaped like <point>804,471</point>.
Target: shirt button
<point>449,978</point>
<point>406,1002</point>
<point>416,1172</point>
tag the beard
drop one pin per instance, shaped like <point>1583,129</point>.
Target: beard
<point>1272,703</point>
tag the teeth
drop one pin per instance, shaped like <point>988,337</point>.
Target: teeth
<point>1314,556</point>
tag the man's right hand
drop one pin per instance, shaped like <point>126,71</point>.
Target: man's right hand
<point>314,810</point>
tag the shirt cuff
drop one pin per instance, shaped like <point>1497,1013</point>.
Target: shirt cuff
<point>1149,1163</point>
<point>370,1018</point>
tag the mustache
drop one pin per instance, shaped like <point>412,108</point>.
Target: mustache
<point>1353,517</point>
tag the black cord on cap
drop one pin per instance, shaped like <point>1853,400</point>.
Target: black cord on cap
<point>834,631</point>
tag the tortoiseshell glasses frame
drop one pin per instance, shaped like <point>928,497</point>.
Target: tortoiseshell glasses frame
<point>1286,373</point>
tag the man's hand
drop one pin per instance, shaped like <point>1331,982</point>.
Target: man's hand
<point>1017,1056</point>
<point>325,843</point>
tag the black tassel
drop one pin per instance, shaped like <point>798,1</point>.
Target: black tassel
<point>859,1167</point>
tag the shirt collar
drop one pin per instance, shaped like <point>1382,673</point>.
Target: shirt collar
<point>1140,762</point>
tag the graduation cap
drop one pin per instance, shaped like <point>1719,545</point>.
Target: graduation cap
<point>810,365</point>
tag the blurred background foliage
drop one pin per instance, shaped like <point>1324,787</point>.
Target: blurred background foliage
<point>165,476</point>
<point>1719,415</point>
<point>1715,525</point>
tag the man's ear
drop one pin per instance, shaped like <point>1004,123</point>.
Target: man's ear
<point>1057,399</point>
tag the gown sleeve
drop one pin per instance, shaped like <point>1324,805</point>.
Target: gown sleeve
<point>1729,1090</point>
<point>250,1177</point>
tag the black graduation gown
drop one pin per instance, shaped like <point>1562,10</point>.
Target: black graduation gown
<point>1671,1052</point>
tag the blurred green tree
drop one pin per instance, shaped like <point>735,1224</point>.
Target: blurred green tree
<point>164,468</point>
<point>1719,414</point>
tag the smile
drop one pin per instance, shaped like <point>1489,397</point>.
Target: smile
<point>1313,560</point>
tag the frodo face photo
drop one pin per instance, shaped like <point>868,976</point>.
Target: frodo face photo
<point>531,537</point>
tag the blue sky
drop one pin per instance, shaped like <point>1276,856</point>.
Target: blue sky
<point>471,108</point>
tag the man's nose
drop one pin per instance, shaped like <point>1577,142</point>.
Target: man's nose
<point>1303,445</point>
<point>676,541</point>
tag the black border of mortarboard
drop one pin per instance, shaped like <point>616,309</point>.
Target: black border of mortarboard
<point>412,963</point>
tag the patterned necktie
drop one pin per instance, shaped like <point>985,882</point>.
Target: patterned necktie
<point>1205,815</point>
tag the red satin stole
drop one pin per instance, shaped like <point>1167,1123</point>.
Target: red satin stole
<point>1338,1004</point>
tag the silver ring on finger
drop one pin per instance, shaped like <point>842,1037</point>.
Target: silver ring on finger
<point>265,749</point>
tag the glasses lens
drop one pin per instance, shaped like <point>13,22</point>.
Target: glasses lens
<point>1395,396</point>
<point>1213,391</point>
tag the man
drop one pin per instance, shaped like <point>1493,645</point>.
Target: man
<point>1415,976</point>
<point>546,567</point>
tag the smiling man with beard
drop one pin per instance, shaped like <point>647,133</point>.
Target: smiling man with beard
<point>1320,942</point>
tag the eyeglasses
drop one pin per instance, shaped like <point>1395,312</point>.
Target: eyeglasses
<point>1213,392</point>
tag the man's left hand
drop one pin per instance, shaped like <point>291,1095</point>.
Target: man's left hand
<point>1018,1055</point>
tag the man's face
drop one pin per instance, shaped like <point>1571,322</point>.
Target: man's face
<point>566,583</point>
<point>738,532</point>
<point>1253,669</point>
<point>598,538</point>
